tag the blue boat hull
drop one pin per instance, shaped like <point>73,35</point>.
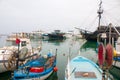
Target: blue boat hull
<point>42,77</point>
<point>38,69</point>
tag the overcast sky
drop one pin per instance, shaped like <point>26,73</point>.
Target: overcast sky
<point>48,15</point>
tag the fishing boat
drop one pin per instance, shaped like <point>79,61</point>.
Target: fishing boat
<point>116,59</point>
<point>36,69</point>
<point>8,52</point>
<point>92,36</point>
<point>69,34</point>
<point>81,68</point>
<point>36,34</point>
<point>56,35</point>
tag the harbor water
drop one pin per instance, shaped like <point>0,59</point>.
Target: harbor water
<point>64,48</point>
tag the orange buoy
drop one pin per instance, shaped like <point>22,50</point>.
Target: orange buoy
<point>55,69</point>
<point>101,54</point>
<point>109,55</point>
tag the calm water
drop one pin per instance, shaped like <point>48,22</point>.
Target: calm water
<point>63,47</point>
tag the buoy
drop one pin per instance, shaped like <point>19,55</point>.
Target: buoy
<point>55,69</point>
<point>109,55</point>
<point>114,53</point>
<point>101,54</point>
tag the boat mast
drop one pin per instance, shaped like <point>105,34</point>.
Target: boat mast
<point>100,11</point>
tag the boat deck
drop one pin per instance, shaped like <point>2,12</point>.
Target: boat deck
<point>116,63</point>
<point>79,74</point>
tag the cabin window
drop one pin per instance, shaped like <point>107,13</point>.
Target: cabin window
<point>23,43</point>
<point>14,43</point>
<point>11,43</point>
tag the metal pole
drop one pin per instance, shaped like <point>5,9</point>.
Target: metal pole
<point>112,41</point>
<point>110,32</point>
<point>17,58</point>
<point>56,53</point>
<point>105,42</point>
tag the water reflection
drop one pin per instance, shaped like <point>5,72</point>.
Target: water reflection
<point>5,75</point>
<point>54,42</point>
<point>53,76</point>
<point>115,71</point>
<point>89,45</point>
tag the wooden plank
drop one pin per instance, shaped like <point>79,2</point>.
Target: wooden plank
<point>85,75</point>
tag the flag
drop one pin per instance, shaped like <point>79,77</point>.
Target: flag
<point>17,41</point>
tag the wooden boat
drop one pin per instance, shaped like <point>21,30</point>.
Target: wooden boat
<point>56,35</point>
<point>81,68</point>
<point>8,52</point>
<point>92,36</point>
<point>37,69</point>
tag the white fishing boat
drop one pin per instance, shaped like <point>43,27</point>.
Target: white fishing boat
<point>69,34</point>
<point>77,34</point>
<point>8,52</point>
<point>36,34</point>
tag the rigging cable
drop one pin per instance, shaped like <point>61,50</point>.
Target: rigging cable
<point>88,16</point>
<point>111,18</point>
<point>93,23</point>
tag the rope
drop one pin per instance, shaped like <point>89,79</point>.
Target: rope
<point>4,62</point>
<point>10,59</point>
